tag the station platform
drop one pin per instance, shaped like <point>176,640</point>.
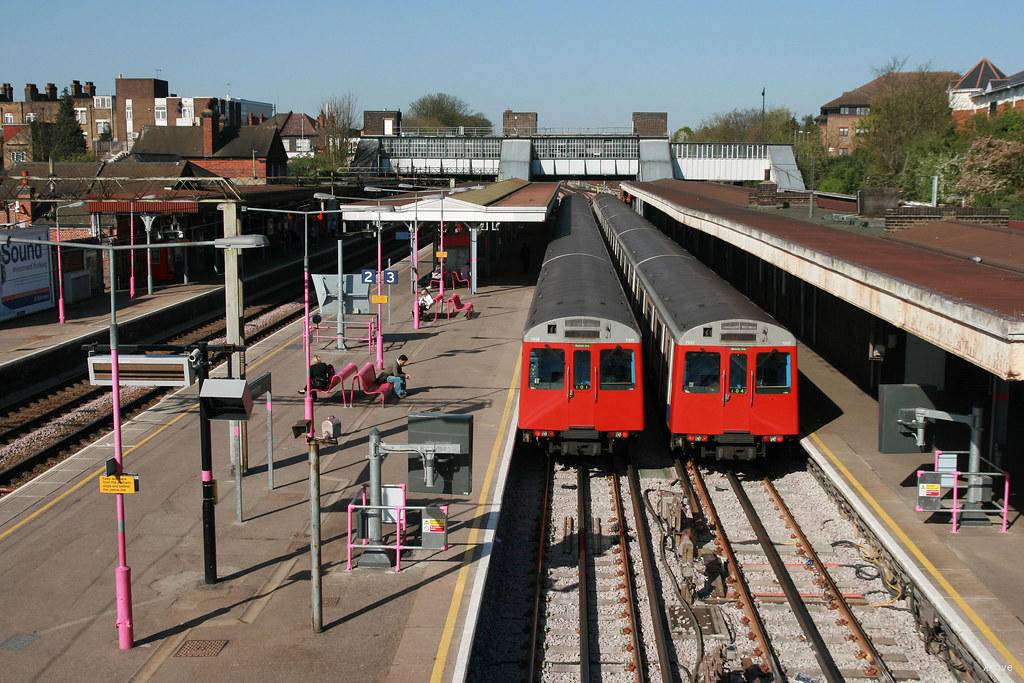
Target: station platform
<point>978,571</point>
<point>58,543</point>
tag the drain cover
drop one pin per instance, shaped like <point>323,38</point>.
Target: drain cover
<point>200,648</point>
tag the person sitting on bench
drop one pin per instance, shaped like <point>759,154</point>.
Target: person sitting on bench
<point>321,377</point>
<point>397,377</point>
<point>426,301</point>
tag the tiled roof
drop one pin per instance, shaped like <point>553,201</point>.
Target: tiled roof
<point>862,96</point>
<point>292,124</point>
<point>186,142</point>
<point>12,129</point>
<point>1011,81</point>
<point>979,76</point>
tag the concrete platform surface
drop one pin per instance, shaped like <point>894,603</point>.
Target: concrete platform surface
<point>979,570</point>
<point>58,552</point>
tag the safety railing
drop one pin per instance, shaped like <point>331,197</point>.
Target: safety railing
<point>400,515</point>
<point>327,330</point>
<point>971,491</point>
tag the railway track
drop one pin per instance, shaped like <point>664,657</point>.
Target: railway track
<point>787,580</point>
<point>46,428</point>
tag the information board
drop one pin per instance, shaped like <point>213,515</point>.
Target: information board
<point>25,282</point>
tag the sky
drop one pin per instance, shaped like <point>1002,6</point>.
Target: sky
<point>578,64</point>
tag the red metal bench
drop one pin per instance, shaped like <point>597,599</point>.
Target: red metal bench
<point>367,378</point>
<point>456,305</point>
<point>348,371</point>
<point>458,280</point>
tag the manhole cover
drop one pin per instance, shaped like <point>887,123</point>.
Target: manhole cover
<point>200,648</point>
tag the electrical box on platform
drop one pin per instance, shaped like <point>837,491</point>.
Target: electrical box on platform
<point>894,437</point>
<point>434,528</point>
<point>453,473</point>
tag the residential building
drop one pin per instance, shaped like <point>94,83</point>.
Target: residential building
<point>94,112</point>
<point>15,145</point>
<point>247,154</point>
<point>984,89</point>
<point>299,133</point>
<point>842,119</point>
<point>382,122</point>
<point>145,102</point>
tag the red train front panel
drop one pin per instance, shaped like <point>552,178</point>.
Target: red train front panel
<point>732,402</point>
<point>569,391</point>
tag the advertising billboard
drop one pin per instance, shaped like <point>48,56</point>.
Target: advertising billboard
<point>25,282</point>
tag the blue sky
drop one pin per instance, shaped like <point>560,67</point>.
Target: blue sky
<point>579,64</point>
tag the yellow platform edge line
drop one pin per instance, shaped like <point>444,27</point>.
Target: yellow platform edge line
<point>902,536</point>
<point>441,659</point>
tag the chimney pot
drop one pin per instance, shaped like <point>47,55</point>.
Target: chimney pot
<point>209,125</point>
<point>51,91</point>
<point>31,92</point>
<point>250,119</point>
<point>90,89</point>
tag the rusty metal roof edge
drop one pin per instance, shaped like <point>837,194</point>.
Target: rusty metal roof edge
<point>976,316</point>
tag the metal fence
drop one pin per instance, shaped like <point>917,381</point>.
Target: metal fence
<point>718,150</point>
<point>441,148</point>
<point>586,148</point>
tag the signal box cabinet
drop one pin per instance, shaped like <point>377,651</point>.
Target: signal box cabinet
<point>452,473</point>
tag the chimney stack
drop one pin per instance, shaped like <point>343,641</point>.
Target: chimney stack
<point>90,89</point>
<point>209,125</point>
<point>8,92</point>
<point>76,89</point>
<point>250,120</point>
<point>31,92</point>
<point>51,92</point>
<point>262,118</point>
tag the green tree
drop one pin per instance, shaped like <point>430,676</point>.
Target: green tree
<point>42,140</point>
<point>441,110</point>
<point>747,125</point>
<point>683,134</point>
<point>61,140</point>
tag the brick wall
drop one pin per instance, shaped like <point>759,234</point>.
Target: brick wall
<point>906,216</point>
<point>519,122</point>
<point>650,123</point>
<point>831,137</point>
<point>373,122</point>
<point>240,170</point>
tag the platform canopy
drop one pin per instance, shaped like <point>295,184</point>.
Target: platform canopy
<point>508,201</point>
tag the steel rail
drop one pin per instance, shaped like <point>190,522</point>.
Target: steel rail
<point>628,582</point>
<point>745,600</point>
<point>582,530</point>
<point>661,633</point>
<point>803,617</point>
<point>875,666</point>
<point>538,588</point>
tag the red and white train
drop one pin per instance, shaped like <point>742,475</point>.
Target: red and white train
<point>582,371</point>
<point>724,371</point>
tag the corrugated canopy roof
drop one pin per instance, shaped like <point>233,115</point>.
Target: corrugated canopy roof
<point>493,192</point>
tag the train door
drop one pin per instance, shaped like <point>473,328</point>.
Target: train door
<point>736,396</point>
<point>546,388</point>
<point>582,394</point>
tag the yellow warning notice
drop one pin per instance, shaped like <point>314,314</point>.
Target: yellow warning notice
<point>441,254</point>
<point>433,526</point>
<point>126,483</point>
<point>378,298</point>
<point>929,490</point>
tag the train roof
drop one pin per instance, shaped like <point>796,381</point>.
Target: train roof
<point>689,294</point>
<point>578,283</point>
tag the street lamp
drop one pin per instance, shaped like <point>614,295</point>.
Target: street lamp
<point>123,573</point>
<point>60,270</point>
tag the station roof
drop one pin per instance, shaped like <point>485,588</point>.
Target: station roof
<point>974,310</point>
<point>508,201</point>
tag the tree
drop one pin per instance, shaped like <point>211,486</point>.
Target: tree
<point>337,121</point>
<point>61,140</point>
<point>441,110</point>
<point>746,125</point>
<point>683,134</point>
<point>909,116</point>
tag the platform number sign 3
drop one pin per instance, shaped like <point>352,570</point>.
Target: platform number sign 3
<point>390,277</point>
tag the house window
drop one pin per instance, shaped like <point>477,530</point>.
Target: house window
<point>302,145</point>
<point>844,132</point>
<point>101,102</point>
<point>8,117</point>
<point>102,127</point>
<point>844,110</point>
<point>82,115</point>
<point>843,152</point>
<point>160,113</point>
<point>30,117</point>
<point>863,111</point>
<point>19,156</point>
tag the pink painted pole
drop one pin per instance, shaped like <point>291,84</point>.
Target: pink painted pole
<point>123,573</point>
<point>1006,500</point>
<point>348,540</point>
<point>60,276</point>
<point>398,540</point>
<point>440,259</point>
<point>308,398</point>
<point>956,481</point>
<point>380,277</point>
<point>414,275</point>
<point>131,254</point>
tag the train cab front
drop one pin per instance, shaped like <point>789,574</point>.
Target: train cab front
<point>579,441</point>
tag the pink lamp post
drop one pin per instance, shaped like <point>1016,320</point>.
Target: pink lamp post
<point>60,270</point>
<point>131,252</point>
<point>440,259</point>
<point>380,277</point>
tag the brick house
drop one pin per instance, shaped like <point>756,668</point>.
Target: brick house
<point>841,118</point>
<point>247,155</point>
<point>94,112</point>
<point>299,133</point>
<point>984,89</point>
<point>16,145</point>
